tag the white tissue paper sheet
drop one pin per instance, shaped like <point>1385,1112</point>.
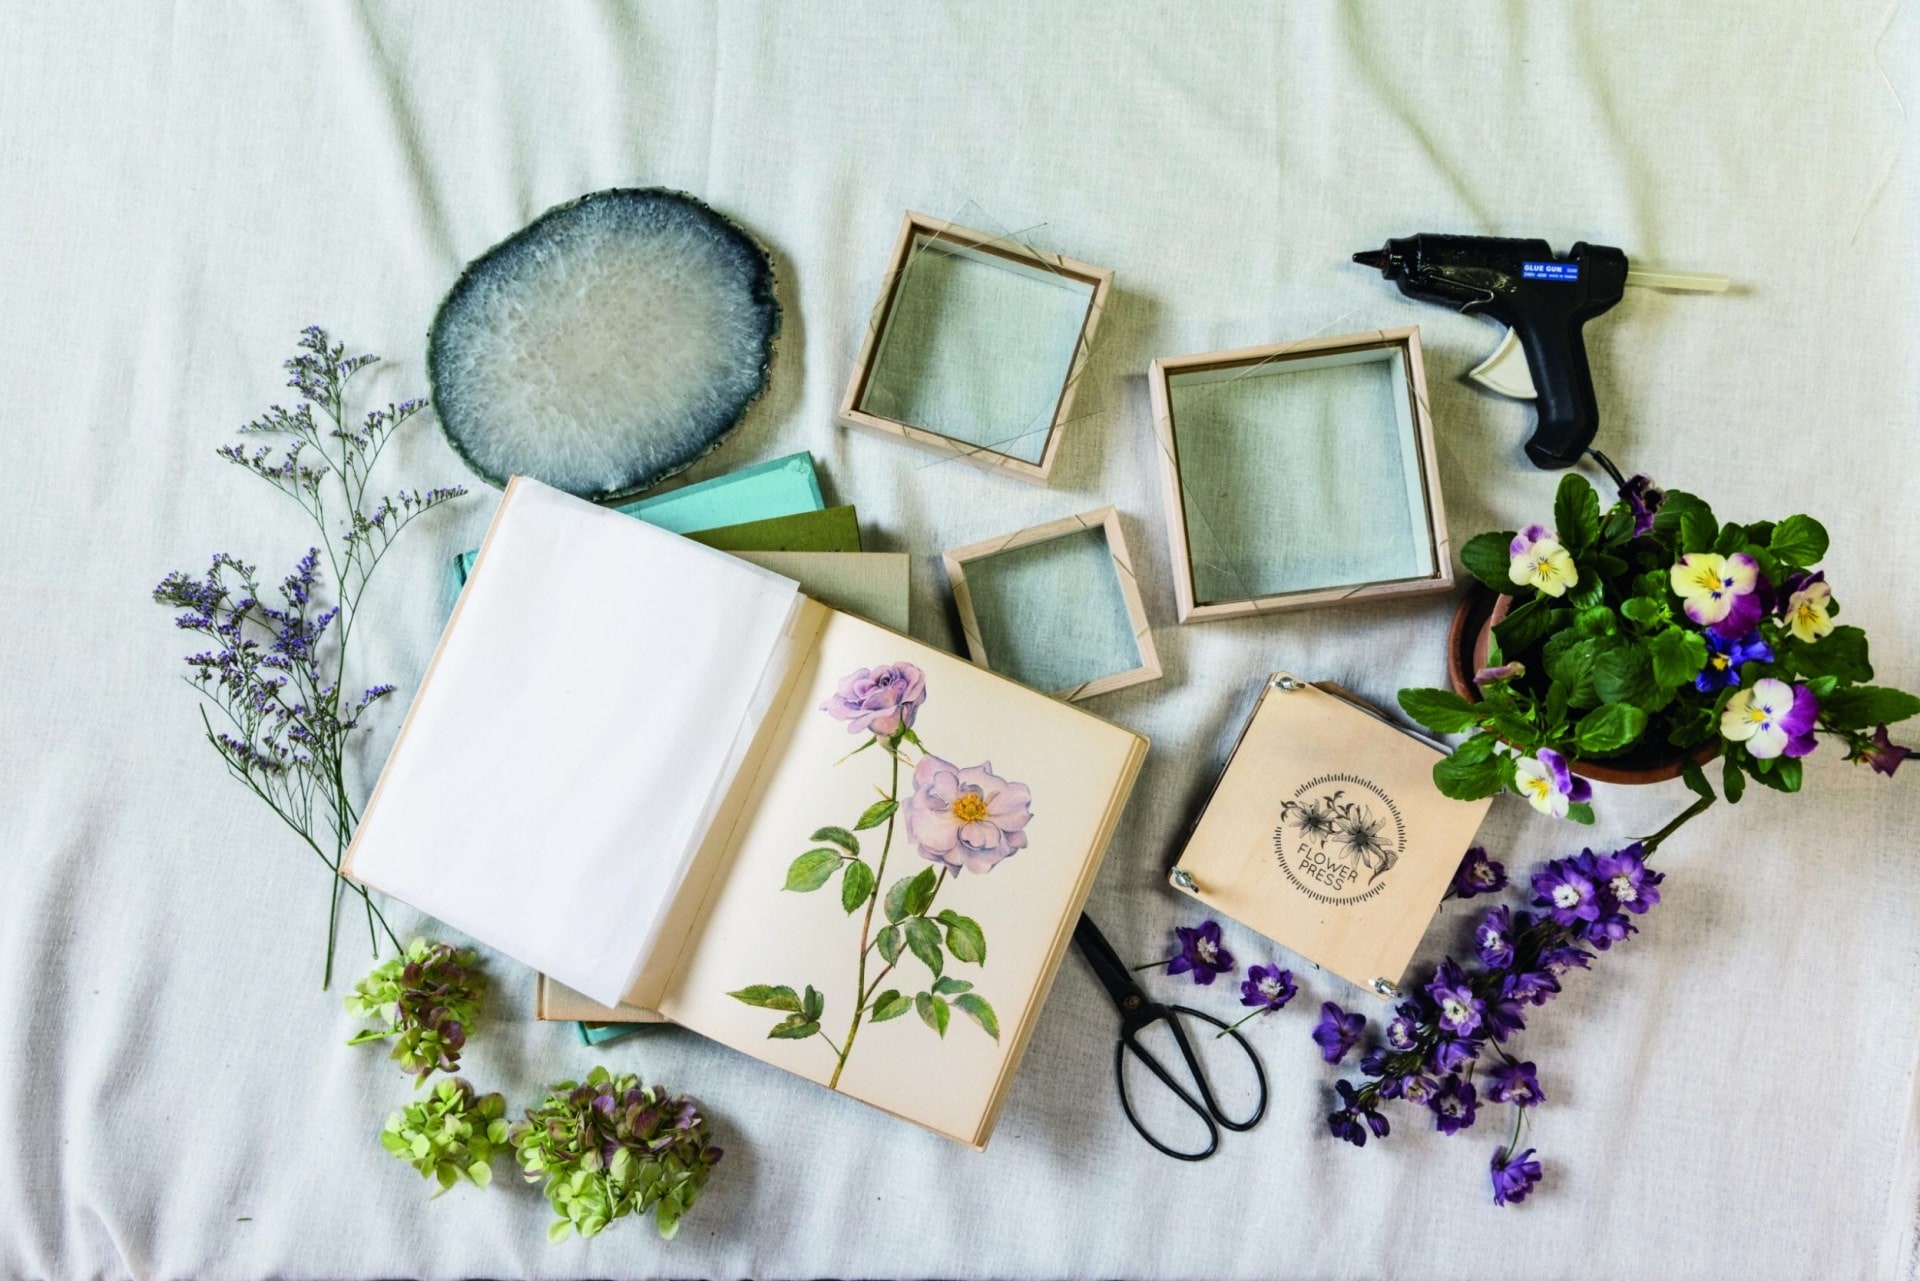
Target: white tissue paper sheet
<point>561,760</point>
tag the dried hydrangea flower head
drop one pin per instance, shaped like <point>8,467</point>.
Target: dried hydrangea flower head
<point>450,1135</point>
<point>429,1000</point>
<point>609,1147</point>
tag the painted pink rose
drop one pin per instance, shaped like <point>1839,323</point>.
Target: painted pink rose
<point>966,818</point>
<point>879,700</point>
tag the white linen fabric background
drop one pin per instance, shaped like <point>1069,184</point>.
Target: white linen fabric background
<point>1732,1093</point>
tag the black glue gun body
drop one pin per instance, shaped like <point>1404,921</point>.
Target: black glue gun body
<point>1544,298</point>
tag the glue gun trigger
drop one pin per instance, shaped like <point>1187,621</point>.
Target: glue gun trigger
<point>1505,372</point>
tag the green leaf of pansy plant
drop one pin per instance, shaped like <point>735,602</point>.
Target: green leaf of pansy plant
<point>1678,655</point>
<point>1488,558</point>
<point>1609,728</point>
<point>1576,513</point>
<point>1800,540</point>
<point>1440,710</point>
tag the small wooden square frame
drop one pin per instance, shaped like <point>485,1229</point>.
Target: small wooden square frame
<point>1108,522</point>
<point>918,229</point>
<point>1407,340</point>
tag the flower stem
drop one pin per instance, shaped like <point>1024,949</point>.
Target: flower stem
<point>1652,843</point>
<point>1152,965</point>
<point>1265,1009</point>
<point>866,925</point>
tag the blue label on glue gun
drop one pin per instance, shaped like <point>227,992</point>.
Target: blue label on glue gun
<point>1550,270</point>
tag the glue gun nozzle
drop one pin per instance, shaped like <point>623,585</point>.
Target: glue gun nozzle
<point>1374,258</point>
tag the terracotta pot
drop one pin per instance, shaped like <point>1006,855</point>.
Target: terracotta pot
<point>1468,638</point>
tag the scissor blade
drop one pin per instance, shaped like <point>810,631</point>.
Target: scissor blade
<point>1107,966</point>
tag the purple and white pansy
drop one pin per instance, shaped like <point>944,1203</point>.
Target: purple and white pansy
<point>1540,562</point>
<point>1772,719</point>
<point>1721,592</point>
<point>1549,784</point>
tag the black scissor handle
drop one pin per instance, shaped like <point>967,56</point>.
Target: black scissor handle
<point>1209,1111</point>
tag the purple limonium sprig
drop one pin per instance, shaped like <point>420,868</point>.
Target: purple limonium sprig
<point>1477,874</point>
<point>1267,988</point>
<point>272,665</point>
<point>1468,1013</point>
<point>1198,952</point>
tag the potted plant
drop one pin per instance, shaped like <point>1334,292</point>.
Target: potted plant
<point>1636,643</point>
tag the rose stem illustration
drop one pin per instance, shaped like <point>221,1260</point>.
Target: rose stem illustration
<point>961,819</point>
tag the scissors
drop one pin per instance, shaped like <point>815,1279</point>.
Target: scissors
<point>1138,1013</point>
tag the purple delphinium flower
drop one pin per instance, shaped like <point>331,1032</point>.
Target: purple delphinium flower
<point>1478,874</point>
<point>967,819</point>
<point>1515,1083</point>
<point>1504,1018</point>
<point>1346,1123</point>
<point>1201,953</point>
<point>1337,1032</point>
<point>1628,880</point>
<point>879,700</point>
<point>1514,1175</point>
<point>1534,987</point>
<point>1567,895</point>
<point>1772,719</point>
<point>1403,1032</point>
<point>1549,783</point>
<point>1460,1010</point>
<point>1644,500</point>
<point>1884,755</point>
<point>1267,986</point>
<point>1561,957</point>
<point>1453,1105</point>
<point>1494,937</point>
<point>1724,658</point>
<point>1451,1053</point>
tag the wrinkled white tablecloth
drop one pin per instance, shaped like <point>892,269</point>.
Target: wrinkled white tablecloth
<point>182,187</point>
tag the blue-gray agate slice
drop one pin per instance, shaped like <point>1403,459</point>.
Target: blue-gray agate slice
<point>606,345</point>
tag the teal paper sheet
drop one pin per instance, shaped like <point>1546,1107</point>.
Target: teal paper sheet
<point>1051,614</point>
<point>782,487</point>
<point>977,349</point>
<point>1299,476</point>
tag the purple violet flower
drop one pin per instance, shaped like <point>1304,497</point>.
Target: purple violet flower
<point>1884,755</point>
<point>1567,895</point>
<point>1337,1032</point>
<point>1461,1011</point>
<point>1453,1105</point>
<point>1514,1083</point>
<point>1201,953</point>
<point>1478,874</point>
<point>880,700</point>
<point>1644,500</point>
<point>1268,987</point>
<point>1724,658</point>
<point>1513,1176</point>
<point>1494,937</point>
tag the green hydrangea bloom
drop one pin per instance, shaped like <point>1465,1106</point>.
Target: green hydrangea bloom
<point>450,1135</point>
<point>429,1001</point>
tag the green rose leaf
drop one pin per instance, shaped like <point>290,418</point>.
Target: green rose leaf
<point>1841,653</point>
<point>890,1005</point>
<point>1576,513</point>
<point>964,937</point>
<point>838,836</point>
<point>933,1011</point>
<point>923,939</point>
<point>919,891</point>
<point>812,1004</point>
<point>1678,655</point>
<point>877,813</point>
<point>812,870</point>
<point>980,1012</point>
<point>1440,710</point>
<point>1625,675</point>
<point>1467,779</point>
<point>1801,540</point>
<point>1865,706</point>
<point>951,986</point>
<point>856,887</point>
<point>1488,558</point>
<point>797,1027</point>
<point>889,943</point>
<point>1609,728</point>
<point>769,998</point>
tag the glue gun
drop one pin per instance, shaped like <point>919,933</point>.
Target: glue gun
<point>1543,299</point>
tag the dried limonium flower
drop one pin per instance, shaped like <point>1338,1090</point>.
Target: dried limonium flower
<point>609,1147</point>
<point>429,999</point>
<point>450,1135</point>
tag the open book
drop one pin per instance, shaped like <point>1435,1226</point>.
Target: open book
<point>664,777</point>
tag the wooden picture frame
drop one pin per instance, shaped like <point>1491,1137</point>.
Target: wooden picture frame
<point>920,233</point>
<point>1106,521</point>
<point>1414,425</point>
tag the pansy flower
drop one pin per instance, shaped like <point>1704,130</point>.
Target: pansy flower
<point>1478,874</point>
<point>1883,753</point>
<point>1453,1105</point>
<point>1643,500</point>
<point>1337,1031</point>
<point>1201,953</point>
<point>1549,784</point>
<point>1721,592</point>
<point>1725,656</point>
<point>1514,1175</point>
<point>1540,562</point>
<point>968,819</point>
<point>1772,719</point>
<point>1807,608</point>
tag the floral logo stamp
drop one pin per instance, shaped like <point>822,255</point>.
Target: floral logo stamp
<point>957,818</point>
<point>1338,837</point>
